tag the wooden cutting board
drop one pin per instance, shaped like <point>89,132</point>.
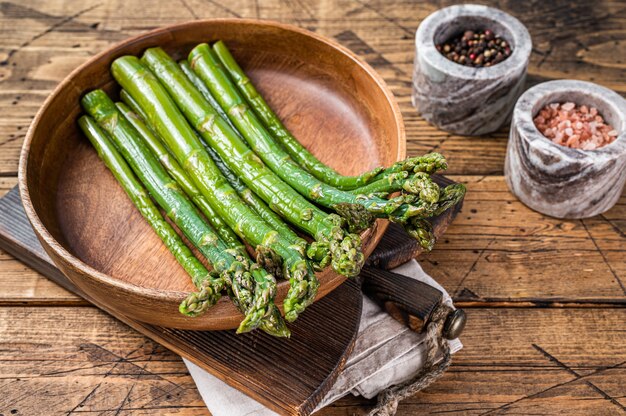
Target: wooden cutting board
<point>289,376</point>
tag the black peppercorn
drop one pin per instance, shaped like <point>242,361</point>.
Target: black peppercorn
<point>477,48</point>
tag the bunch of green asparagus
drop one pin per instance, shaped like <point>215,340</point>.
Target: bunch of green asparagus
<point>198,141</point>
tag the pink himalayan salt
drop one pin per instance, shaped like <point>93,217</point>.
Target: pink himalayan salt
<point>572,126</point>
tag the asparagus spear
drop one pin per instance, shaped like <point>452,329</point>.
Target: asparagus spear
<point>180,176</point>
<point>428,163</point>
<point>317,253</point>
<point>186,68</point>
<point>257,203</point>
<point>273,324</point>
<point>344,248</point>
<point>419,184</point>
<point>358,210</point>
<point>172,127</point>
<point>298,152</point>
<point>169,196</point>
<point>271,261</point>
<point>395,179</point>
<point>210,283</point>
<point>244,192</point>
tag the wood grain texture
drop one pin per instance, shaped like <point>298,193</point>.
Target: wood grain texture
<point>21,284</point>
<point>500,251</point>
<point>497,254</point>
<point>101,366</point>
<point>528,362</point>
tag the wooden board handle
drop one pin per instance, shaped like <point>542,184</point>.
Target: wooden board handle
<point>409,301</point>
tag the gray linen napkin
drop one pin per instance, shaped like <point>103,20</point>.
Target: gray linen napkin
<point>385,353</point>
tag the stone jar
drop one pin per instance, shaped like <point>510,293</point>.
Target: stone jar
<point>462,99</point>
<point>557,180</point>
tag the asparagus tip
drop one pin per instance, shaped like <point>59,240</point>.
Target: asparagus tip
<point>275,324</point>
<point>347,257</point>
<point>421,184</point>
<point>450,196</point>
<point>197,303</point>
<point>269,260</point>
<point>302,291</point>
<point>295,302</point>
<point>319,253</point>
<point>251,321</point>
<point>262,305</point>
<point>422,231</point>
<point>357,217</point>
<point>429,163</point>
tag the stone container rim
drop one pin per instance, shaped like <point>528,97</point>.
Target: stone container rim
<point>450,20</point>
<point>611,106</point>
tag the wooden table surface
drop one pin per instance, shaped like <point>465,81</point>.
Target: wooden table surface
<point>546,298</point>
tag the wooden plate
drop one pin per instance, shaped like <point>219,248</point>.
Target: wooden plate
<point>334,103</point>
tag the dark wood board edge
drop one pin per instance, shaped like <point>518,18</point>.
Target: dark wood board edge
<point>18,239</point>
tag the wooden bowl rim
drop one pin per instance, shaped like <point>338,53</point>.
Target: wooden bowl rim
<point>158,294</point>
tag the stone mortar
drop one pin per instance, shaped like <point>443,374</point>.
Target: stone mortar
<point>462,99</point>
<point>557,180</point>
